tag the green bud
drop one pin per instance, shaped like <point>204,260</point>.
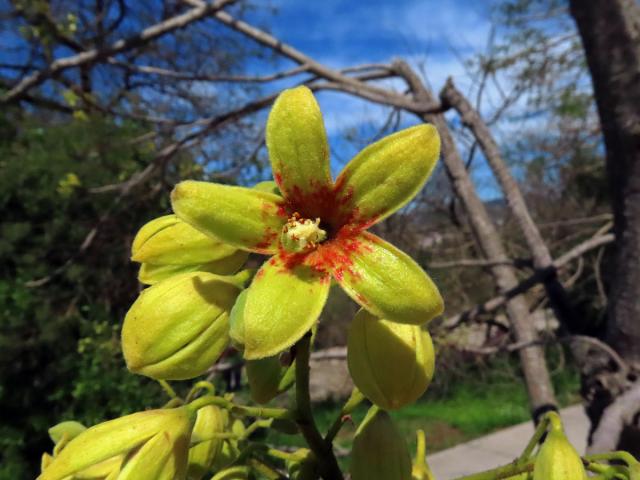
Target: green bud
<point>167,246</point>
<point>227,455</point>
<point>170,241</point>
<point>265,377</point>
<point>236,321</point>
<point>379,451</point>
<point>391,363</point>
<point>160,458</point>
<point>151,273</point>
<point>178,328</point>
<point>210,420</point>
<point>304,466</point>
<point>107,470</point>
<point>45,461</point>
<point>126,436</point>
<point>557,459</point>
<point>69,429</point>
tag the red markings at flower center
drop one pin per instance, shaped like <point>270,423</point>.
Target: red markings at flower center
<point>336,256</point>
<point>331,203</point>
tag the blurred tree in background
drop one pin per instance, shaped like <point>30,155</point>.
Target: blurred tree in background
<point>59,351</point>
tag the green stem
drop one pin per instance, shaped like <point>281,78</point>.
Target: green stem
<point>281,455</point>
<point>201,385</point>
<point>540,431</point>
<point>421,450</point>
<point>277,413</point>
<point>499,473</point>
<point>354,400</point>
<point>256,425</point>
<point>174,402</point>
<point>215,436</point>
<point>167,388</point>
<point>623,456</point>
<point>327,462</point>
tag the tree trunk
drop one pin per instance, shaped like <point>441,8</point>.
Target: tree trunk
<point>610,32</point>
<point>532,358</point>
<point>542,259</point>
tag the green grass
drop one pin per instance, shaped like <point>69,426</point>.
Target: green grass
<point>466,404</point>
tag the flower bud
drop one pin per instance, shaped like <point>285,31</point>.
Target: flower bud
<point>379,451</point>
<point>178,328</point>
<point>304,466</point>
<point>557,459</point>
<point>69,430</point>
<point>210,420</point>
<point>170,241</point>
<point>391,363</point>
<point>154,433</point>
<point>161,457</point>
<point>168,246</point>
<point>267,378</point>
<point>151,273</point>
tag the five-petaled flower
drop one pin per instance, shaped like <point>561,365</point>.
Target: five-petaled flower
<point>317,228</point>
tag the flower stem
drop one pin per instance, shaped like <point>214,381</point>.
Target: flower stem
<point>168,389</point>
<point>626,457</point>
<point>327,463</point>
<point>277,413</point>
<point>354,400</point>
<point>538,434</point>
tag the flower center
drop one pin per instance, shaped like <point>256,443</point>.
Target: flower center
<point>301,234</point>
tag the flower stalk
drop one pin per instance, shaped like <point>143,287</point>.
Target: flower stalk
<point>328,465</point>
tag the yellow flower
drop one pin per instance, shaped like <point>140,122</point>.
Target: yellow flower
<point>317,228</point>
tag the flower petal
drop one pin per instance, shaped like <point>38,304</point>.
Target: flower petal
<point>282,304</point>
<point>386,175</point>
<point>297,144</point>
<point>244,218</point>
<point>386,281</point>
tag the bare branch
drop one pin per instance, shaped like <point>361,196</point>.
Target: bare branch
<point>206,127</point>
<point>349,84</point>
<point>90,56</point>
<point>163,72</point>
<point>473,262</point>
<point>539,276</point>
<point>620,413</point>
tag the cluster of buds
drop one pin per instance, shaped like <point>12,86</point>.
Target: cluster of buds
<point>152,444</point>
<point>179,443</point>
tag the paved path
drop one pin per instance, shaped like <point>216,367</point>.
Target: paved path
<point>502,447</point>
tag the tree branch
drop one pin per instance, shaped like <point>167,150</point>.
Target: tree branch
<point>539,276</point>
<point>90,56</point>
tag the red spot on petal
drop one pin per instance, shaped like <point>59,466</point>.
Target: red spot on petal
<point>277,176</point>
<point>361,300</point>
<point>265,244</point>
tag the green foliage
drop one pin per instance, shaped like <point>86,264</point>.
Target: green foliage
<point>59,341</point>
